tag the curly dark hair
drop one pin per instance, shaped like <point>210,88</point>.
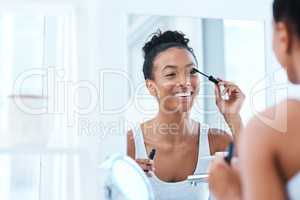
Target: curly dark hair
<point>159,42</point>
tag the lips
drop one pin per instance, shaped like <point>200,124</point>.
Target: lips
<point>184,94</point>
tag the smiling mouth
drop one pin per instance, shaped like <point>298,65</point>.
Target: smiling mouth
<point>184,94</point>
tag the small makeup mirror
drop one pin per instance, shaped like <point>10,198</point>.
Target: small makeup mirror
<point>125,180</point>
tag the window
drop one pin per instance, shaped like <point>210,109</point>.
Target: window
<point>244,55</point>
<point>35,42</point>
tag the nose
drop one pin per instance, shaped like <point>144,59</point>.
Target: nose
<point>184,82</point>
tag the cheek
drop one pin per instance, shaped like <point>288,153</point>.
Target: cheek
<point>281,52</point>
<point>278,51</point>
<point>165,95</point>
<point>166,86</point>
<point>195,82</point>
<point>275,46</point>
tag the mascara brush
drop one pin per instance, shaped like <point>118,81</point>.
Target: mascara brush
<point>211,78</point>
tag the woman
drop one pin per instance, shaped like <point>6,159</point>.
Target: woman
<point>269,166</point>
<point>179,140</point>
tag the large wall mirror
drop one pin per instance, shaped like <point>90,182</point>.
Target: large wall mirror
<point>233,50</point>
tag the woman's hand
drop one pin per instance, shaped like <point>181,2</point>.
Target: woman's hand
<point>147,165</point>
<point>232,105</point>
<point>224,180</point>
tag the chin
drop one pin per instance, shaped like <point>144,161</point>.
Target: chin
<point>295,81</point>
<point>293,73</point>
<point>184,111</point>
<point>179,107</point>
<point>184,108</point>
<point>293,78</point>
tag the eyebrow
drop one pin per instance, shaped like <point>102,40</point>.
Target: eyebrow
<point>175,66</point>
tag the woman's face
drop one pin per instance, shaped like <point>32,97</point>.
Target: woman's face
<point>174,83</point>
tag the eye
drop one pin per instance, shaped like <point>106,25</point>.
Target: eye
<point>170,74</point>
<point>193,71</point>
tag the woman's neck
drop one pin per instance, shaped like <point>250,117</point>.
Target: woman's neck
<point>173,127</point>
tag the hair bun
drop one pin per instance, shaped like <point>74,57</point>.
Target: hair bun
<point>159,38</point>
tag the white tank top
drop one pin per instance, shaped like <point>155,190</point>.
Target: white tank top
<point>181,190</point>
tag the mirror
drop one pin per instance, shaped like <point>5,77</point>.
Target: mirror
<point>125,180</point>
<point>229,49</point>
<point>232,50</point>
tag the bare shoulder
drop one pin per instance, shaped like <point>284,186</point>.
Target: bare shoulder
<point>130,144</point>
<point>130,135</point>
<point>145,126</point>
<point>263,139</point>
<point>218,140</point>
<point>267,135</point>
<point>269,126</point>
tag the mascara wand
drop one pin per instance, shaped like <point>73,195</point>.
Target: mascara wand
<point>211,78</point>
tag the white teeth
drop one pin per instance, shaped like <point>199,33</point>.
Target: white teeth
<point>183,94</point>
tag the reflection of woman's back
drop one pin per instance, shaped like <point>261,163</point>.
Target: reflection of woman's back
<point>179,141</point>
